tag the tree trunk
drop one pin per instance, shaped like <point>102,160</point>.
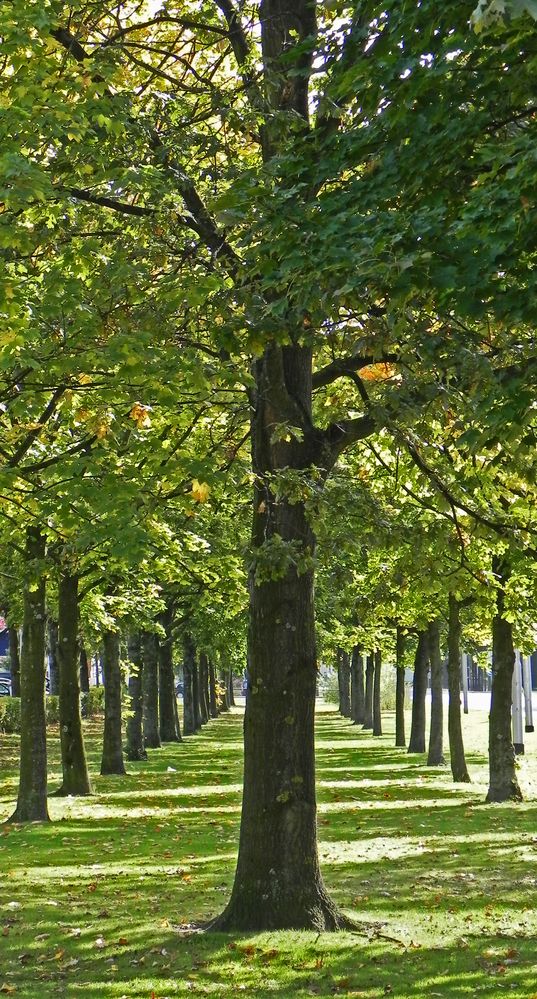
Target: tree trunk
<point>377,713</point>
<point>53,666</point>
<point>32,796</point>
<point>76,780</point>
<point>224,696</point>
<point>112,758</point>
<point>368,705</point>
<point>135,749</point>
<point>231,692</point>
<point>203,676</point>
<point>168,715</point>
<point>196,696</point>
<point>456,746</point>
<point>344,682</point>
<point>400,739</point>
<point>150,685</point>
<point>84,670</point>
<point>435,757</point>
<point>419,693</point>
<point>357,687</point>
<point>189,662</point>
<point>503,781</point>
<point>14,662</point>
<point>213,704</point>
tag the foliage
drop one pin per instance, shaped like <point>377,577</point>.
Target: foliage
<point>10,713</point>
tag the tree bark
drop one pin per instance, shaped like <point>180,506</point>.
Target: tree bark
<point>419,693</point>
<point>53,665</point>
<point>168,715</point>
<point>231,692</point>
<point>189,662</point>
<point>377,712</point>
<point>84,670</point>
<point>224,696</point>
<point>32,795</point>
<point>135,749</point>
<point>400,739</point>
<point>503,784</point>
<point>213,703</point>
<point>112,758</point>
<point>368,705</point>
<point>150,685</point>
<point>344,683</point>
<point>196,695</point>
<point>459,770</point>
<point>14,662</point>
<point>357,687</point>
<point>203,677</point>
<point>435,757</point>
<point>76,779</point>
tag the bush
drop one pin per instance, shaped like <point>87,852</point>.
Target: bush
<point>53,709</point>
<point>10,714</point>
<point>329,690</point>
<point>92,702</point>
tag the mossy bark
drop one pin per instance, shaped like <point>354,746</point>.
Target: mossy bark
<point>168,715</point>
<point>435,757</point>
<point>84,671</point>
<point>213,700</point>
<point>135,747</point>
<point>377,709</point>
<point>457,757</point>
<point>203,685</point>
<point>112,757</point>
<point>230,690</point>
<point>76,779</point>
<point>344,682</point>
<point>419,693</point>
<point>32,795</point>
<point>150,690</point>
<point>189,662</point>
<point>368,698</point>
<point>400,738</point>
<point>503,784</point>
<point>357,687</point>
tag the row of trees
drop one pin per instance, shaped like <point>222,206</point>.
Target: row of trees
<point>285,247</point>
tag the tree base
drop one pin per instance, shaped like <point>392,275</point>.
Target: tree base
<point>65,792</point>
<point>113,772</point>
<point>432,762</point>
<point>249,914</point>
<point>505,792</point>
<point>136,757</point>
<point>20,817</point>
<point>463,778</point>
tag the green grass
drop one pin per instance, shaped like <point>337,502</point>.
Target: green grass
<point>99,902</point>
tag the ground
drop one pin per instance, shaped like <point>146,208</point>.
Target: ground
<point>100,902</point>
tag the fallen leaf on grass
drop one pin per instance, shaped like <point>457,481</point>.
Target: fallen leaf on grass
<point>7,989</point>
<point>100,943</point>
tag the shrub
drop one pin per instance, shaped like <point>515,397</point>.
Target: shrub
<point>10,714</point>
<point>92,702</point>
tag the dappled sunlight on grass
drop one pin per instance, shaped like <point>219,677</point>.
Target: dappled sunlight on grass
<point>101,901</point>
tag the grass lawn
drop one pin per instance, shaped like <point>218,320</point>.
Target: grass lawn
<point>99,902</point>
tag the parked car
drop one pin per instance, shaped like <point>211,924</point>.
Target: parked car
<point>5,683</point>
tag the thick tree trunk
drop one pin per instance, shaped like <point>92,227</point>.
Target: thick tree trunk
<point>419,693</point>
<point>400,739</point>
<point>14,662</point>
<point>135,749</point>
<point>357,687</point>
<point>150,684</point>
<point>32,796</point>
<point>196,696</point>
<point>168,715</point>
<point>84,671</point>
<point>435,757</point>
<point>368,699</point>
<point>189,662</point>
<point>53,665</point>
<point>213,703</point>
<point>112,758</point>
<point>230,691</point>
<point>456,745</point>
<point>344,682</point>
<point>503,780</point>
<point>203,677</point>
<point>76,780</point>
<point>278,882</point>
<point>377,712</point>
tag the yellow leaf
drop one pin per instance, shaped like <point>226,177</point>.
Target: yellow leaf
<point>200,491</point>
<point>8,989</point>
<point>140,415</point>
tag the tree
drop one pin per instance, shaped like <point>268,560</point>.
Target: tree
<point>76,780</point>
